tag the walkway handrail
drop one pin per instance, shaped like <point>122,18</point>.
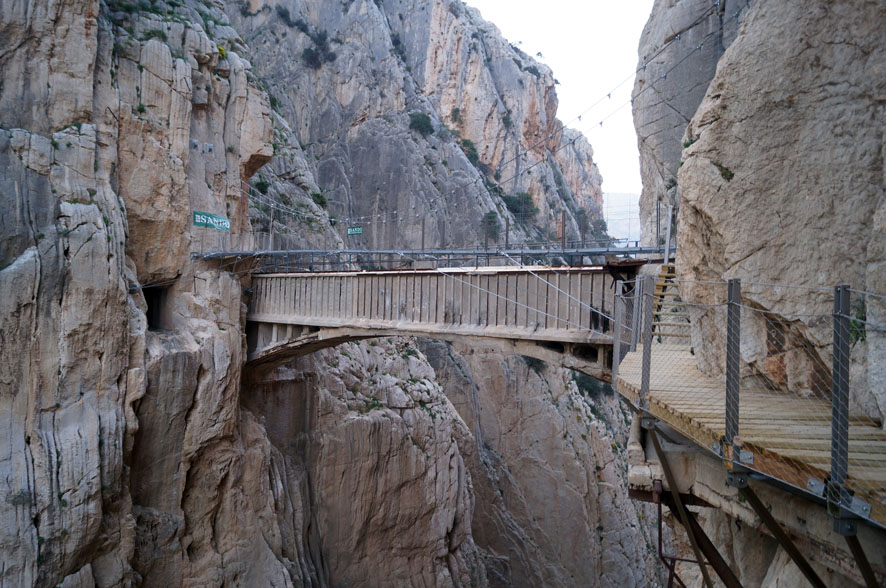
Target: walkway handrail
<point>768,391</point>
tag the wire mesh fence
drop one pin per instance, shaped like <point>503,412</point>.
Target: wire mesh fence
<point>775,379</point>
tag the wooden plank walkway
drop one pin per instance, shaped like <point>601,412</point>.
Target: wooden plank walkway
<point>788,435</point>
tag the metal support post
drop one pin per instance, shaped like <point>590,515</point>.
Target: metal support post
<point>616,339</point>
<point>271,231</point>
<point>649,288</point>
<point>636,313</point>
<point>422,233</point>
<point>708,549</point>
<point>861,559</point>
<point>733,365</point>
<point>667,251</point>
<point>657,221</point>
<point>782,537</point>
<point>838,496</point>
<point>681,510</point>
<point>507,232</point>
<point>563,230</point>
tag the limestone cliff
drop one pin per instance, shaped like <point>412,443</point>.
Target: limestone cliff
<point>490,132</point>
<point>130,110</point>
<point>137,452</point>
<point>679,50</point>
<point>786,180</point>
<point>547,462</point>
<point>778,139</point>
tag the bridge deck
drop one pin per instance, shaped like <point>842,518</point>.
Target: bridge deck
<point>789,437</point>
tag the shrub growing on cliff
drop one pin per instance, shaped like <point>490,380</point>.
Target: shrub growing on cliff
<point>262,186</point>
<point>725,172</point>
<point>398,46</point>
<point>534,364</point>
<point>590,387</point>
<point>155,34</point>
<point>521,205</point>
<point>319,199</point>
<point>470,150</point>
<point>490,225</point>
<point>314,57</point>
<point>283,13</point>
<point>421,122</point>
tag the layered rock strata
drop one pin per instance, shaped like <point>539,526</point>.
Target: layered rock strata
<point>679,50</point>
<point>780,181</point>
<point>138,452</point>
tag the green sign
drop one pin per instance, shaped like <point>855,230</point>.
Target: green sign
<point>355,230</point>
<point>213,221</point>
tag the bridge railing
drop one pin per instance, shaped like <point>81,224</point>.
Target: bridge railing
<point>270,229</point>
<point>569,305</point>
<point>776,380</point>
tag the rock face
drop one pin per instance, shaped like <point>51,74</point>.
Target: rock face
<point>547,464</point>
<point>777,184</point>
<point>138,452</point>
<point>98,176</point>
<point>781,182</point>
<point>376,445</point>
<point>491,129</point>
<point>679,50</point>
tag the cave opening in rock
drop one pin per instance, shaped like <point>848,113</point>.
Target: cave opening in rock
<point>155,298</point>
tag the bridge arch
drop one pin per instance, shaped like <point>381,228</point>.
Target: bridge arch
<point>593,359</point>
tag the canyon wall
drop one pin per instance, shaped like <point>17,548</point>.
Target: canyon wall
<point>679,50</point>
<point>772,148</point>
<point>137,451</point>
<point>785,181</point>
<point>490,131</point>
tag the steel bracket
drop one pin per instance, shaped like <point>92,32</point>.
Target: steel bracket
<point>737,479</point>
<point>816,487</point>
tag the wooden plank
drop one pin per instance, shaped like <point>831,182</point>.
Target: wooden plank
<point>799,439</point>
<point>473,315</point>
<point>532,302</point>
<point>464,309</point>
<point>402,301</point>
<point>511,315</point>
<point>575,303</point>
<point>521,306</point>
<point>788,435</point>
<point>584,286</point>
<point>504,304</point>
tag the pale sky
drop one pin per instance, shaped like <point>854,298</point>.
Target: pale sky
<point>591,46</point>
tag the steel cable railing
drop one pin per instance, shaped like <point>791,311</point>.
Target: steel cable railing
<point>268,226</point>
<point>787,393</point>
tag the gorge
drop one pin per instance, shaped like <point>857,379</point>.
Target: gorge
<point>139,448</point>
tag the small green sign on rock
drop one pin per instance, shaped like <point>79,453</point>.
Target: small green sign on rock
<point>355,230</point>
<point>213,221</point>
